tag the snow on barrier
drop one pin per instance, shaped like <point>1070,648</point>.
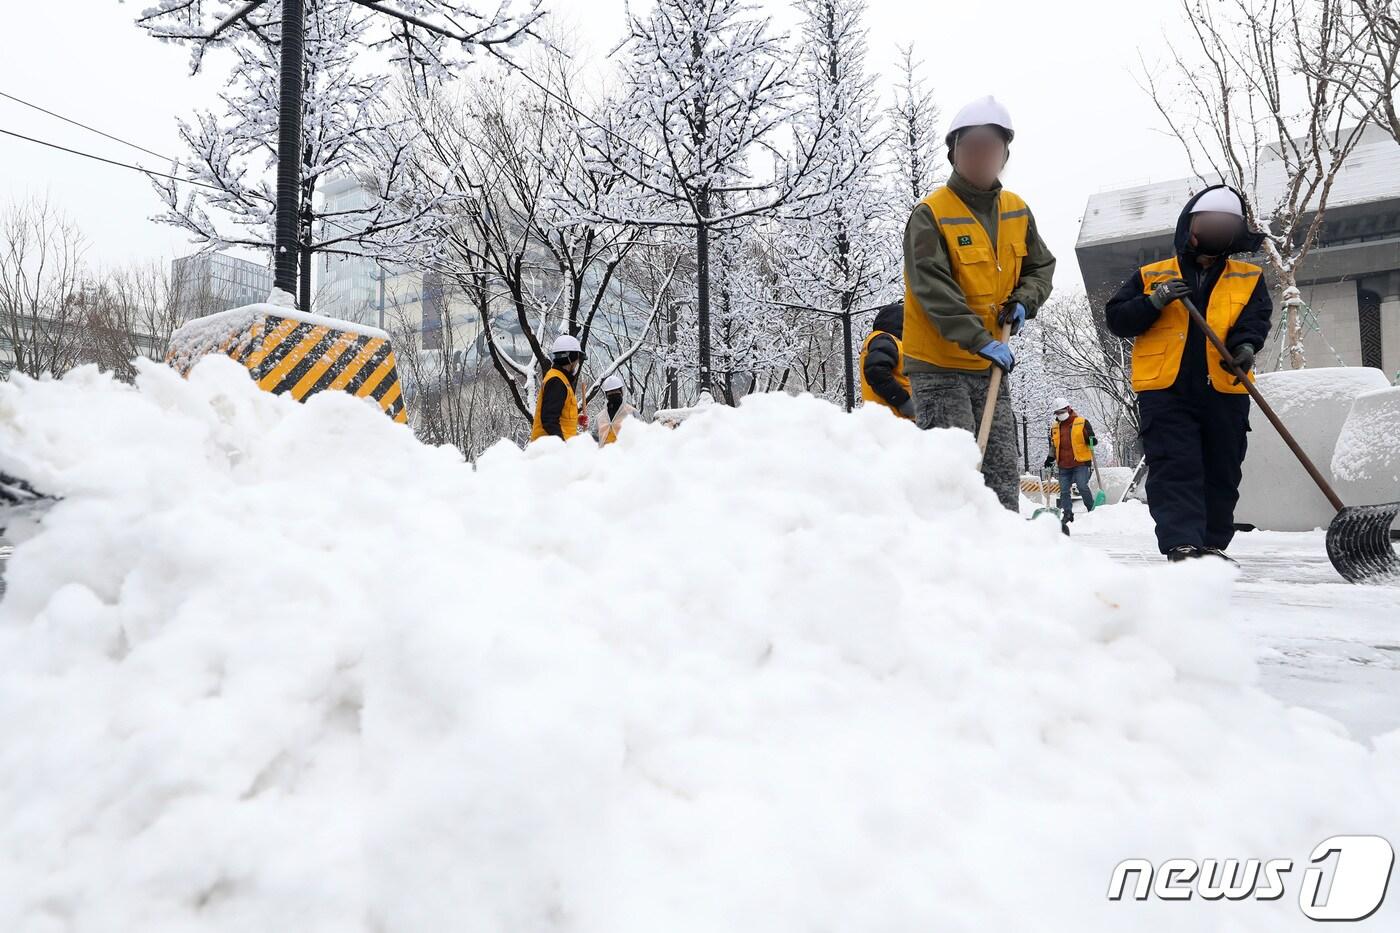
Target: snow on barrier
<point>297,353</point>
<point>1366,462</point>
<point>278,666</point>
<point>1276,493</point>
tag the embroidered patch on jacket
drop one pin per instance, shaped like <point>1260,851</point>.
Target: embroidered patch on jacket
<point>964,241</point>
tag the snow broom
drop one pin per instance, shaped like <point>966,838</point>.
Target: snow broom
<point>1358,538</point>
<point>1100,497</point>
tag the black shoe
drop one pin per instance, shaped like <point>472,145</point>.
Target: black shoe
<point>1217,552</point>
<point>1184,552</point>
<point>1064,528</point>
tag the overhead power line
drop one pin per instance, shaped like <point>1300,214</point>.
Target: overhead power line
<point>90,129</point>
<point>98,158</point>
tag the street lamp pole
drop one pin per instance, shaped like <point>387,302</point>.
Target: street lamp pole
<point>286,251</point>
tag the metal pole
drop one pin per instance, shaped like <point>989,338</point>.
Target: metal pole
<point>286,252</point>
<point>1026,442</point>
<point>850,364</point>
<point>702,294</point>
<point>381,297</point>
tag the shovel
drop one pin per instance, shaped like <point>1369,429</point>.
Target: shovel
<point>984,430</point>
<point>1358,538</point>
<point>1047,508</point>
<point>1100,497</point>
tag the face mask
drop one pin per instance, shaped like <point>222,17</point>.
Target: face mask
<point>1061,416</point>
<point>1213,244</point>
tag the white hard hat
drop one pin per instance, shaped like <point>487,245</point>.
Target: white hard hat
<point>565,343</point>
<point>613,383</point>
<point>1061,403</point>
<point>1218,201</point>
<point>981,112</point>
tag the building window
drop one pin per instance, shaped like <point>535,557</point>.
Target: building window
<point>1368,313</point>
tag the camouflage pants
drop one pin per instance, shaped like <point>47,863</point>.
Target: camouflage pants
<point>955,400</point>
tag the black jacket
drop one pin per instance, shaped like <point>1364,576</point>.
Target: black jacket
<point>882,355</point>
<point>1130,313</point>
<point>554,395</point>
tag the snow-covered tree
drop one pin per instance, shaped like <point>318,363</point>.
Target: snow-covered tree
<point>1256,103</point>
<point>845,257</point>
<point>522,235</point>
<point>913,119</point>
<point>346,127</point>
<point>698,136</point>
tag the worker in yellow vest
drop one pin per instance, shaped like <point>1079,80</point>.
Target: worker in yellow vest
<point>1072,444</point>
<point>614,412</point>
<point>1194,414</point>
<point>556,404</point>
<point>973,262</point>
<point>882,379</point>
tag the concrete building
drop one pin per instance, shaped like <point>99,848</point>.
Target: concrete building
<point>347,287</point>
<point>1350,281</point>
<point>211,282</point>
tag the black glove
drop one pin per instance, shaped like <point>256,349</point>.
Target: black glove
<point>1169,291</point>
<point>1013,313</point>
<point>907,409</point>
<point>1242,361</point>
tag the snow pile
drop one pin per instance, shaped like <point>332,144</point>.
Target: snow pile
<point>1277,494</point>
<point>1366,462</point>
<point>275,666</point>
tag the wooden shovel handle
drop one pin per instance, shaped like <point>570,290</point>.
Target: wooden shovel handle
<point>984,430</point>
<point>1227,359</point>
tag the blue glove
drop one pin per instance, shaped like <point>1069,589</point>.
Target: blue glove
<point>1000,354</point>
<point>1013,313</point>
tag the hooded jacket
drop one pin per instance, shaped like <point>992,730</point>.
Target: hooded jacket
<point>1130,312</point>
<point>881,360</point>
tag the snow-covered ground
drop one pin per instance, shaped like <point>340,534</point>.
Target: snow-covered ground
<point>276,666</point>
<point>1322,643</point>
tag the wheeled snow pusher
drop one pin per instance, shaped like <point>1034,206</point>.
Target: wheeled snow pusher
<point>296,353</point>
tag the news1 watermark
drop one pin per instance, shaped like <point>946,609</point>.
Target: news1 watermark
<point>1347,883</point>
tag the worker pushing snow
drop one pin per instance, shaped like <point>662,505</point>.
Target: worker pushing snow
<point>1072,444</point>
<point>556,405</point>
<point>882,378</point>
<point>973,262</point>
<point>615,410</point>
<point>1194,413</point>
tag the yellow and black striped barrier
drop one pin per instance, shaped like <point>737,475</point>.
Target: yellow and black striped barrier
<point>289,351</point>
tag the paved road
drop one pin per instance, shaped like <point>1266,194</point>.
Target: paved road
<point>1323,644</point>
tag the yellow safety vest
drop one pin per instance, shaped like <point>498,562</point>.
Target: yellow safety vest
<point>1157,353</point>
<point>986,272</point>
<point>614,424</point>
<point>868,393</point>
<point>568,418</point>
<point>1078,439</point>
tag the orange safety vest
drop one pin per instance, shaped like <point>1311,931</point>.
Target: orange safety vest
<point>1078,439</point>
<point>866,391</point>
<point>987,272</point>
<point>1157,353</point>
<point>568,418</point>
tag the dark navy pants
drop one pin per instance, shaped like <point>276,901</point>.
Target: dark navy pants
<point>1195,446</point>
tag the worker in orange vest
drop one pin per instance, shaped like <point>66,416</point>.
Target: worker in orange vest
<point>614,412</point>
<point>882,379</point>
<point>556,404</point>
<point>1072,444</point>
<point>1193,410</point>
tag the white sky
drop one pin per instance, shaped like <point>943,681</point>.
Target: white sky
<point>1065,70</point>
